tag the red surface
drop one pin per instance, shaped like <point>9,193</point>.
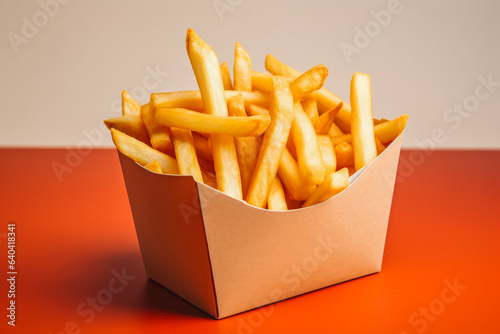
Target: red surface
<point>444,227</point>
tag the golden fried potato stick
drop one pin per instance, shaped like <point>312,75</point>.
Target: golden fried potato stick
<point>310,107</point>
<point>242,69</point>
<point>206,165</point>
<point>326,99</point>
<point>304,136</point>
<point>308,82</point>
<point>301,85</point>
<point>386,132</point>
<point>247,148</point>
<point>142,153</point>
<point>326,120</point>
<point>226,77</point>
<point>380,146</point>
<point>334,184</point>
<point>363,136</point>
<point>206,69</point>
<point>186,153</point>
<point>276,199</point>
<point>344,155</point>
<point>273,145</point>
<point>154,166</point>
<point>131,125</point>
<point>130,105</point>
<point>213,124</point>
<point>300,188</point>
<point>255,110</point>
<point>159,136</point>
<point>328,154</point>
<point>191,99</point>
<point>335,131</point>
<point>290,146</point>
<point>202,146</point>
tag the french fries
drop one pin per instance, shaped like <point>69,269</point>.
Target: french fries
<point>131,125</point>
<point>276,199</point>
<point>206,69</point>
<point>130,107</point>
<point>247,148</point>
<point>309,156</point>
<point>154,166</point>
<point>142,153</point>
<point>334,184</point>
<point>326,120</point>
<point>326,99</point>
<point>213,124</point>
<point>226,77</point>
<point>385,132</point>
<point>278,140</point>
<point>273,145</point>
<point>186,153</point>
<point>363,137</point>
<point>242,70</point>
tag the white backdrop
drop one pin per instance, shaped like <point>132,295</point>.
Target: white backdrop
<point>64,63</point>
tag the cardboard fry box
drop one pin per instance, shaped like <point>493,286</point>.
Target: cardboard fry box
<point>227,257</point>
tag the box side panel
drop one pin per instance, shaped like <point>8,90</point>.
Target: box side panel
<point>171,234</point>
<point>260,256</point>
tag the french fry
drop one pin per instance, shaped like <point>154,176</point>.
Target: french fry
<point>131,125</point>
<point>206,69</point>
<point>130,105</point>
<point>309,157</point>
<point>308,82</point>
<point>344,155</point>
<point>142,153</point>
<point>333,184</point>
<point>213,124</point>
<point>276,199</point>
<point>335,131</point>
<point>255,110</point>
<point>300,188</point>
<point>247,148</point>
<point>192,99</point>
<point>273,145</point>
<point>159,136</point>
<point>263,82</point>
<point>202,146</point>
<point>326,120</point>
<point>385,132</point>
<point>290,146</point>
<point>326,99</point>
<point>186,153</point>
<point>328,154</point>
<point>310,107</point>
<point>242,69</point>
<point>226,77</point>
<point>380,146</point>
<point>154,166</point>
<point>206,165</point>
<point>363,136</point>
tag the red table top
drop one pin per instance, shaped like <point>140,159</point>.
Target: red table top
<point>75,235</point>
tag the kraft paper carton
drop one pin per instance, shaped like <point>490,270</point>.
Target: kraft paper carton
<point>227,257</point>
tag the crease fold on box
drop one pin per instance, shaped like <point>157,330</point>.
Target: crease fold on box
<point>226,257</point>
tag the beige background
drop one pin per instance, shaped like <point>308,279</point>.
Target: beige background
<point>68,74</point>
